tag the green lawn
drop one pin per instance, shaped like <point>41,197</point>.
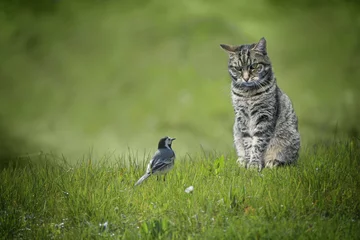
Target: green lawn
<point>316,199</point>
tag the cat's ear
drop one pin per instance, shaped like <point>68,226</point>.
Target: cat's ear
<point>261,45</point>
<point>228,48</point>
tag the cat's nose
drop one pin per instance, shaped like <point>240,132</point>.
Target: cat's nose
<point>246,76</point>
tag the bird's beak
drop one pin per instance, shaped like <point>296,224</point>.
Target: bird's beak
<point>172,139</point>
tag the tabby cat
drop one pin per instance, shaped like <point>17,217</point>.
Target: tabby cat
<point>266,126</point>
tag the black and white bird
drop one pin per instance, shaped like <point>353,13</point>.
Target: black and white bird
<point>162,161</point>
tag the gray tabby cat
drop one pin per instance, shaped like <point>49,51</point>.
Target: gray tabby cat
<point>266,127</point>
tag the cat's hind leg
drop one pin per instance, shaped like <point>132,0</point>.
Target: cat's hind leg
<point>280,153</point>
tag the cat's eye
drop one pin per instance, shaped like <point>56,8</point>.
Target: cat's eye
<point>256,67</point>
<point>238,68</point>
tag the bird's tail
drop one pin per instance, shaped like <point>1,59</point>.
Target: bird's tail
<point>143,178</point>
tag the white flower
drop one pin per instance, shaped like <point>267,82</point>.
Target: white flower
<point>189,189</point>
<point>103,225</point>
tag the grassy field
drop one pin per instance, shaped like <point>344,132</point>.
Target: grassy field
<point>316,199</point>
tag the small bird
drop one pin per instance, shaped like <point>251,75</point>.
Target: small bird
<point>162,161</point>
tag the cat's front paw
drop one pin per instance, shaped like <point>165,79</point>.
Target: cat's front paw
<point>241,162</point>
<point>255,165</point>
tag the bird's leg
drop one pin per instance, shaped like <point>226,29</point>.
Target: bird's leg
<point>157,177</point>
<point>164,177</point>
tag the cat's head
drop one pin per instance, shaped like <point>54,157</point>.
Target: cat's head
<point>249,65</point>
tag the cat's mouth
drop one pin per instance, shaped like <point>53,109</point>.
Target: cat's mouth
<point>240,83</point>
<point>246,84</point>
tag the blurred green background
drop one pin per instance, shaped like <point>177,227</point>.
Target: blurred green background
<point>112,75</point>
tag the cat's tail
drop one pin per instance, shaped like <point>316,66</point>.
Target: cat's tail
<point>143,178</point>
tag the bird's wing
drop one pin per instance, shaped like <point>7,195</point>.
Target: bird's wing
<point>161,159</point>
<point>160,165</point>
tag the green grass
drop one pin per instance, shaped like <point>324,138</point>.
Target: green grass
<point>316,199</point>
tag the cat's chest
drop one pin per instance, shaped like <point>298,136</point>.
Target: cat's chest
<point>246,112</point>
<point>242,106</point>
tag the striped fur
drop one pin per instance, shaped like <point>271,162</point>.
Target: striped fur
<point>266,126</point>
